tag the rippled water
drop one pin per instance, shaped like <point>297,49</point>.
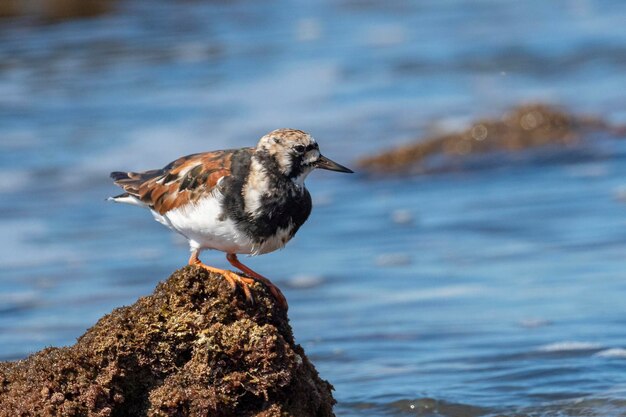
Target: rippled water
<point>492,292</point>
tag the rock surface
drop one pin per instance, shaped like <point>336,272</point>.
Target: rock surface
<point>525,127</point>
<point>55,10</point>
<point>192,348</point>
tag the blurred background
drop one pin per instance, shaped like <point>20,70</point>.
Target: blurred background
<point>474,292</point>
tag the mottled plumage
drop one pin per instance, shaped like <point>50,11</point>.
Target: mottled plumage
<point>239,201</point>
<point>181,182</point>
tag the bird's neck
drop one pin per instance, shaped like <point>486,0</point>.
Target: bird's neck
<point>283,172</point>
<point>265,182</point>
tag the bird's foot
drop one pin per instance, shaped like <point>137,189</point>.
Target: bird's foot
<point>232,278</point>
<point>244,283</point>
<point>276,292</point>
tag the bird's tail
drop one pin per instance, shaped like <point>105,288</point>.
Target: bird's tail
<point>126,198</point>
<point>119,176</point>
<point>129,181</point>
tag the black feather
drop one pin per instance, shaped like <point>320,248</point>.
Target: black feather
<point>283,207</point>
<point>189,181</point>
<point>117,175</point>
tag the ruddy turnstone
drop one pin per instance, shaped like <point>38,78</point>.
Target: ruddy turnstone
<point>238,201</point>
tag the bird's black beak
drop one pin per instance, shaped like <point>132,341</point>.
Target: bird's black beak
<point>325,163</point>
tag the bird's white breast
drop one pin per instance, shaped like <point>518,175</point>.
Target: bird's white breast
<point>204,225</point>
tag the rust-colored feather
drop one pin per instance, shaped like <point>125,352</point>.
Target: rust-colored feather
<point>181,182</point>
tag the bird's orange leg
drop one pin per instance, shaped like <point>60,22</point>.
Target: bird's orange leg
<point>232,258</point>
<point>233,279</point>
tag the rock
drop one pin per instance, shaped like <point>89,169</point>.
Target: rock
<point>192,348</point>
<point>9,8</point>
<point>525,127</point>
<point>55,10</point>
<point>72,9</point>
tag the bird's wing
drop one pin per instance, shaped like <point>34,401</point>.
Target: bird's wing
<point>183,181</point>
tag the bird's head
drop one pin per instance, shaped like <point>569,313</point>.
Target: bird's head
<point>295,154</point>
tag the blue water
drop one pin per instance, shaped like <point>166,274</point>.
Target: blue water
<point>491,292</point>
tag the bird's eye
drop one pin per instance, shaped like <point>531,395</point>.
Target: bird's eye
<point>299,148</point>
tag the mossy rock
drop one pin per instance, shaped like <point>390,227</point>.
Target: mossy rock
<point>525,127</point>
<point>193,348</point>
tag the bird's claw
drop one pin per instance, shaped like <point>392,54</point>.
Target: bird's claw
<point>235,280</point>
<point>245,283</point>
<point>242,282</point>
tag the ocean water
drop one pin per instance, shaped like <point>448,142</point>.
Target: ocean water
<point>497,291</point>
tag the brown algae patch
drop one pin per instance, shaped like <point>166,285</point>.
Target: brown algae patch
<point>55,10</point>
<point>525,127</point>
<point>192,348</point>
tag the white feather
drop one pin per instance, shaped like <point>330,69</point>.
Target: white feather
<point>128,199</point>
<point>255,188</point>
<point>203,224</point>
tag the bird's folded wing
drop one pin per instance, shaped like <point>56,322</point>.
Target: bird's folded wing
<point>183,181</point>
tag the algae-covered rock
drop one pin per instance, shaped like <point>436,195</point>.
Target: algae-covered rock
<point>524,127</point>
<point>193,348</point>
<point>55,10</point>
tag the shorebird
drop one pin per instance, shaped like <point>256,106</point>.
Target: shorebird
<point>239,201</point>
